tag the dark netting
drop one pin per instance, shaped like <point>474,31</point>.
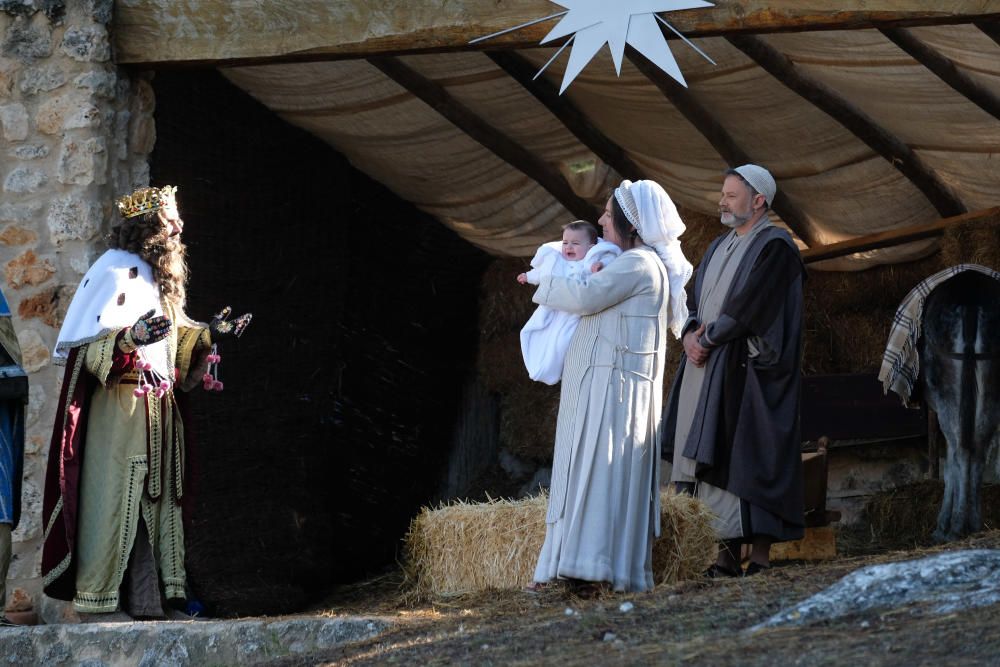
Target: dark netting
<point>341,399</point>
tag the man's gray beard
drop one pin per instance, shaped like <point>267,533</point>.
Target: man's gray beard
<point>736,220</point>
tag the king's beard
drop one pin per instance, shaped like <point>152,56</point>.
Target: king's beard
<point>166,255</point>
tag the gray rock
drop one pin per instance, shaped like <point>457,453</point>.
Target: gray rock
<point>14,121</point>
<point>100,10</point>
<point>83,162</point>
<point>20,212</point>
<point>26,42</point>
<point>179,644</point>
<point>18,7</point>
<point>87,44</point>
<point>98,82</point>
<point>73,219</point>
<point>30,152</point>
<point>42,79</point>
<point>940,584</point>
<point>24,180</point>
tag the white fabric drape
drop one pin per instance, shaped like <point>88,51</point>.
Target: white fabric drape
<point>843,188</point>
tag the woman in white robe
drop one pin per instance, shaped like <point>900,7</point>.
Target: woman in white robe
<point>603,509</point>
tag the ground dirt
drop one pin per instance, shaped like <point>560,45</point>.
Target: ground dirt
<point>701,622</point>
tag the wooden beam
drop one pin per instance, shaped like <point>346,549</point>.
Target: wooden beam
<point>228,32</point>
<point>879,139</point>
<point>991,29</point>
<point>522,71</point>
<point>723,142</point>
<point>945,69</point>
<point>436,97</point>
<point>894,237</point>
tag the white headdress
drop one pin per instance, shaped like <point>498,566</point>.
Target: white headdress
<point>651,211</point>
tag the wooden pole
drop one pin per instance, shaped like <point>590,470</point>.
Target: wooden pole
<point>945,69</point>
<point>723,142</point>
<point>235,32</point>
<point>436,97</point>
<point>893,237</point>
<point>562,108</point>
<point>879,139</point>
<point>991,29</point>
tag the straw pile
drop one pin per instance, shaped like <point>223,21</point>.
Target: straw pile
<point>464,547</point>
<point>687,544</point>
<point>976,242</point>
<point>907,515</point>
<point>848,315</point>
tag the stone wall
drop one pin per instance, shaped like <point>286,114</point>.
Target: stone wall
<point>74,132</point>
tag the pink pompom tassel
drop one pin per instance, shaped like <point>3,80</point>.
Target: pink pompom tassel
<point>138,393</point>
<point>217,385</point>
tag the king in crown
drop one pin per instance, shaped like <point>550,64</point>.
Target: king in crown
<point>146,200</point>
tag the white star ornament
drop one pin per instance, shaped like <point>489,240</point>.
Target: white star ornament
<point>596,22</point>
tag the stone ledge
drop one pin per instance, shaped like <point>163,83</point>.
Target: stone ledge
<point>180,643</point>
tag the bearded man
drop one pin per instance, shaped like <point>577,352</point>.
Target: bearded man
<point>114,538</point>
<point>731,428</point>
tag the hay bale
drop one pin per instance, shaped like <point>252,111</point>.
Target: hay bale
<point>687,544</point>
<point>848,314</point>
<point>976,242</point>
<point>464,547</point>
<point>906,516</point>
<point>467,547</point>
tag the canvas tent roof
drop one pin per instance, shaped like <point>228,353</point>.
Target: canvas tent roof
<point>841,173</point>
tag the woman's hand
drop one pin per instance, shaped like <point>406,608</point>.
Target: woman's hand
<point>696,354</point>
<point>150,329</point>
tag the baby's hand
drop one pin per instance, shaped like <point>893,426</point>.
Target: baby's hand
<point>522,278</point>
<point>596,266</point>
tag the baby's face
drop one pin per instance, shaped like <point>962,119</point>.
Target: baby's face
<point>575,245</point>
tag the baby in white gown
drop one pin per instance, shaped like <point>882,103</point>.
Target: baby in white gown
<point>545,337</point>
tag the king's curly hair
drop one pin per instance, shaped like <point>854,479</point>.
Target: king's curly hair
<point>147,237</point>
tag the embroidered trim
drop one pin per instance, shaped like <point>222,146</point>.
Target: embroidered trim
<point>52,519</point>
<point>130,507</point>
<point>154,447</point>
<point>91,603</point>
<point>57,571</point>
<point>127,344</point>
<point>65,346</point>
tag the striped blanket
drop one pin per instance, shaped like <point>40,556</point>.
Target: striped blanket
<point>900,365</point>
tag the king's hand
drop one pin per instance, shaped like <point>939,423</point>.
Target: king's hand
<point>222,327</point>
<point>150,328</point>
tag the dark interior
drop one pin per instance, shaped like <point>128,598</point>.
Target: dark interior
<point>341,398</point>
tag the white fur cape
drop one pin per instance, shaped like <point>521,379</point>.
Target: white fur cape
<point>116,291</point>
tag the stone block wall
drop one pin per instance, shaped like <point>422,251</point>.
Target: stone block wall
<point>75,131</point>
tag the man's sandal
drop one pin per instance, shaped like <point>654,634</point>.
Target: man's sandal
<point>755,568</point>
<point>717,571</point>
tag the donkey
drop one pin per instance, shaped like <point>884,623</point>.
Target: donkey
<point>960,365</point>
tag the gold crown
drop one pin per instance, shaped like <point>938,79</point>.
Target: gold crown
<point>145,200</point>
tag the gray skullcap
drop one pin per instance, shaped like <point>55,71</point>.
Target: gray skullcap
<point>626,200</point>
<point>760,179</point>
